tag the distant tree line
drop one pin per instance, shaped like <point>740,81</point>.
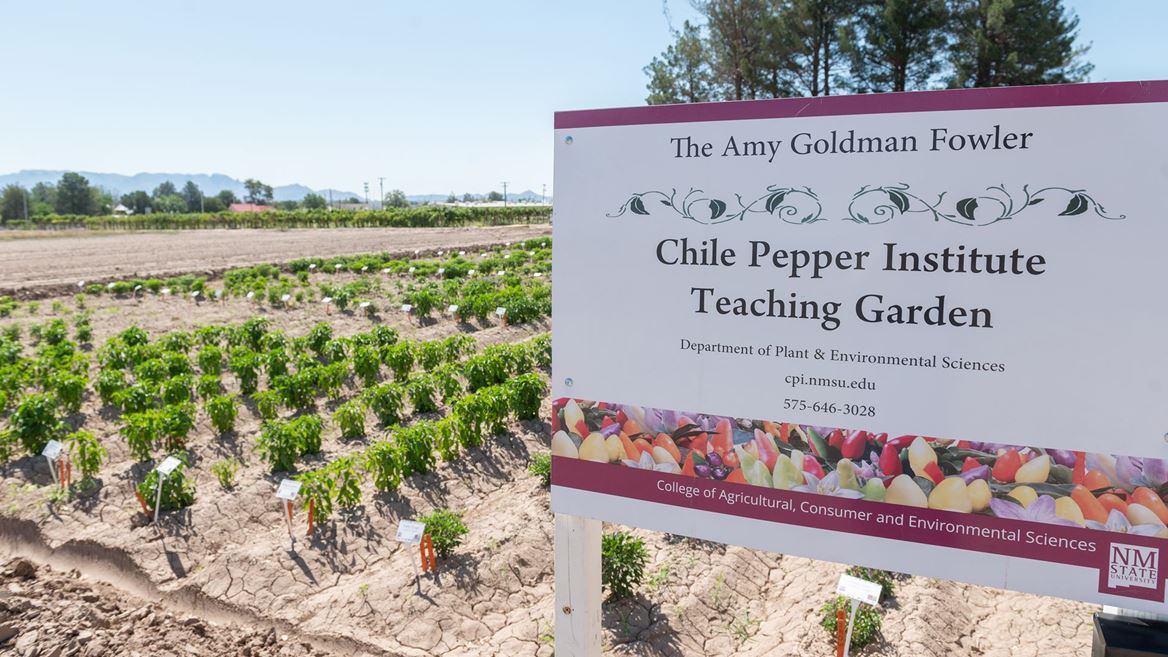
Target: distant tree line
<point>746,49</point>
<point>73,195</point>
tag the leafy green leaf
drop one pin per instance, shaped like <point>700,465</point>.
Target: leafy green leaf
<point>774,201</point>
<point>717,208</point>
<point>898,199</point>
<point>966,207</point>
<point>1077,205</point>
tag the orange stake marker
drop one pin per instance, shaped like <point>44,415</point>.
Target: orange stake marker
<point>426,548</point>
<point>69,472</point>
<point>141,500</point>
<point>841,631</point>
<point>311,508</point>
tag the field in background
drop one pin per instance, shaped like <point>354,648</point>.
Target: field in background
<point>220,575</point>
<point>59,263</point>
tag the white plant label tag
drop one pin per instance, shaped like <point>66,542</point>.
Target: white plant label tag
<point>406,308</point>
<point>410,531</point>
<point>53,449</point>
<point>453,308</point>
<point>168,465</point>
<point>858,589</point>
<point>500,311</point>
<point>289,489</point>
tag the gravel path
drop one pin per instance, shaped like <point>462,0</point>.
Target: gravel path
<point>39,264</point>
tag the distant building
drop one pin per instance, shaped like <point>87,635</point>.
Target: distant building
<point>350,206</point>
<point>122,211</point>
<point>250,207</point>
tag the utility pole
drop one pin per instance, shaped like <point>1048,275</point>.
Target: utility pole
<point>504,193</point>
<point>25,203</point>
<point>381,187</point>
<point>366,195</point>
<point>330,198</point>
<point>543,194</point>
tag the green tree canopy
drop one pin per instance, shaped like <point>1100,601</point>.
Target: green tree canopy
<point>13,202</point>
<point>682,73</point>
<point>257,192</point>
<point>894,45</point>
<point>745,49</point>
<point>170,204</point>
<point>227,197</point>
<point>74,195</point>
<point>138,201</point>
<point>165,189</point>
<point>193,196</point>
<point>313,202</point>
<point>1015,42</point>
<point>396,199</point>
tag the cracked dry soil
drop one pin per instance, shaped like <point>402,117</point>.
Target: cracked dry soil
<point>222,578</point>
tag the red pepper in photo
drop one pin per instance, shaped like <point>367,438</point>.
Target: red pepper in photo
<point>890,464</point>
<point>811,464</point>
<point>854,445</point>
<point>933,471</point>
<point>1007,465</point>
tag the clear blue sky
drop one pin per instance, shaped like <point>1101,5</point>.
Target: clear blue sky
<point>434,96</point>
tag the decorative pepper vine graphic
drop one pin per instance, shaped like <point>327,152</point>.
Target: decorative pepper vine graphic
<point>877,205</point>
<point>792,205</point>
<point>869,205</point>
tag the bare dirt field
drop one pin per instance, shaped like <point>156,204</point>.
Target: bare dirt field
<point>221,577</point>
<point>38,260</point>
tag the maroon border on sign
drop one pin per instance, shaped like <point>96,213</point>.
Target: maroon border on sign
<point>1054,95</point>
<point>633,484</point>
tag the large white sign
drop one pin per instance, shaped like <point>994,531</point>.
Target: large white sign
<point>837,278</point>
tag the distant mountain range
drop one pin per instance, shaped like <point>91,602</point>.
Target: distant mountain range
<point>210,183</point>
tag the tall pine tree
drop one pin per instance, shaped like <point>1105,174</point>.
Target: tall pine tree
<point>897,45</point>
<point>1014,42</point>
<point>682,73</point>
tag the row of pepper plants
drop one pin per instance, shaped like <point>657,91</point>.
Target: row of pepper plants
<point>41,394</point>
<point>270,281</point>
<point>152,387</point>
<point>425,216</point>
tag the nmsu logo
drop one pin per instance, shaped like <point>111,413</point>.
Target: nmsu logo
<point>1133,565</point>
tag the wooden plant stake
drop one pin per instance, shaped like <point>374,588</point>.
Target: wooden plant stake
<point>311,509</point>
<point>141,500</point>
<point>429,560</point>
<point>841,631</point>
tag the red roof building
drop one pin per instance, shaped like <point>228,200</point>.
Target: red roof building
<point>250,207</point>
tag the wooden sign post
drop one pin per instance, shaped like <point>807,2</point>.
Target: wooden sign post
<point>578,594</point>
